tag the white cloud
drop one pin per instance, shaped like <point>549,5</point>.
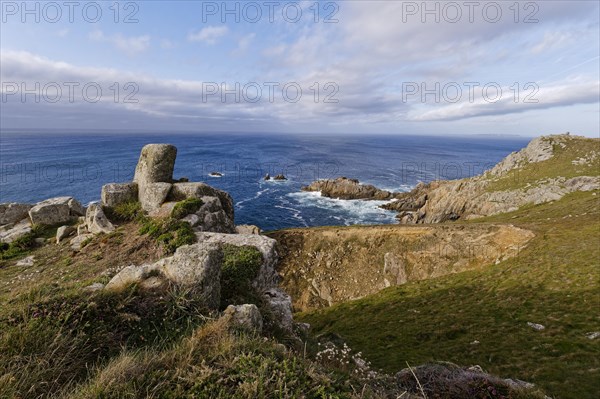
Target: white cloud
<point>208,35</point>
<point>552,40</point>
<point>130,45</point>
<point>244,43</point>
<point>580,91</point>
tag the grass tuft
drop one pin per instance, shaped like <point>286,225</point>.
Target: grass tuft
<point>186,207</point>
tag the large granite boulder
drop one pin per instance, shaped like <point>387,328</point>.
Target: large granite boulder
<point>11,213</point>
<point>63,232</point>
<point>247,229</point>
<point>132,275</point>
<point>210,217</point>
<point>156,164</point>
<point>54,211</point>
<point>267,276</point>
<point>96,221</point>
<point>154,174</point>
<point>280,304</point>
<point>119,193</point>
<point>245,317</point>
<point>152,195</point>
<point>181,191</point>
<point>197,266</point>
<point>11,232</point>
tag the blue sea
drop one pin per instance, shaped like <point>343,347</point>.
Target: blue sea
<point>44,165</point>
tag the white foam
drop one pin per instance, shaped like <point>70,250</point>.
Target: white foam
<point>348,211</point>
<point>239,205</point>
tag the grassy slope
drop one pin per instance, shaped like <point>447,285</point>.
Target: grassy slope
<point>555,281</point>
<point>57,340</point>
<point>560,165</point>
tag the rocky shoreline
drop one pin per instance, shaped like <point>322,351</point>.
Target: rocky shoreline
<point>449,200</point>
<point>197,265</point>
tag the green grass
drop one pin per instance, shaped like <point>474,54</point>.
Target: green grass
<point>560,165</point>
<point>23,245</point>
<point>125,212</point>
<point>59,341</point>
<point>240,267</point>
<point>169,233</point>
<point>554,281</point>
<point>186,207</point>
<point>18,248</point>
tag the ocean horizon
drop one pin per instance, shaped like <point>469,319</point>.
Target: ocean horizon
<point>36,166</point>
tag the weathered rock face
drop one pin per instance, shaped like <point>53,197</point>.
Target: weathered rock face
<point>154,174</point>
<point>344,188</point>
<point>11,213</point>
<point>158,193</point>
<point>211,217</point>
<point>11,232</point>
<point>394,270</point>
<point>267,276</point>
<point>77,242</point>
<point>247,229</point>
<point>63,232</point>
<point>280,304</point>
<point>470,198</point>
<point>181,191</point>
<point>322,267</point>
<point>156,164</point>
<point>245,316</point>
<point>55,211</point>
<point>114,194</point>
<point>96,221</point>
<point>131,275</point>
<point>197,265</point>
<point>152,195</point>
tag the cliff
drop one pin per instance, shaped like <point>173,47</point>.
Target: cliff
<point>546,170</point>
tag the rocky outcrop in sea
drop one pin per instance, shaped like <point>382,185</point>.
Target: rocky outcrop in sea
<point>348,189</point>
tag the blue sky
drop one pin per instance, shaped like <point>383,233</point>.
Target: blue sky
<point>367,60</point>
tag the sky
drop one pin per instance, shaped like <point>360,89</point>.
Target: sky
<point>399,67</point>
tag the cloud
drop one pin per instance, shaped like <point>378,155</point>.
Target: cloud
<point>130,45</point>
<point>552,40</point>
<point>208,35</point>
<point>244,43</point>
<point>580,91</point>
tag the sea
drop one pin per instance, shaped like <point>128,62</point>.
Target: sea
<point>36,166</point>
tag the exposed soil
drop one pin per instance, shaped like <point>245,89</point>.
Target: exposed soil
<point>323,266</point>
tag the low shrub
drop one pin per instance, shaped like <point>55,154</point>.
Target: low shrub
<point>169,233</point>
<point>125,212</point>
<point>18,247</point>
<point>186,207</point>
<point>49,345</point>
<point>240,267</point>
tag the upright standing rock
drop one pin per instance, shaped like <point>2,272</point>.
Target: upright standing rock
<point>155,165</point>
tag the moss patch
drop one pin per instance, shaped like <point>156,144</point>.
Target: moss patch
<point>240,267</point>
<point>169,233</point>
<point>186,207</point>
